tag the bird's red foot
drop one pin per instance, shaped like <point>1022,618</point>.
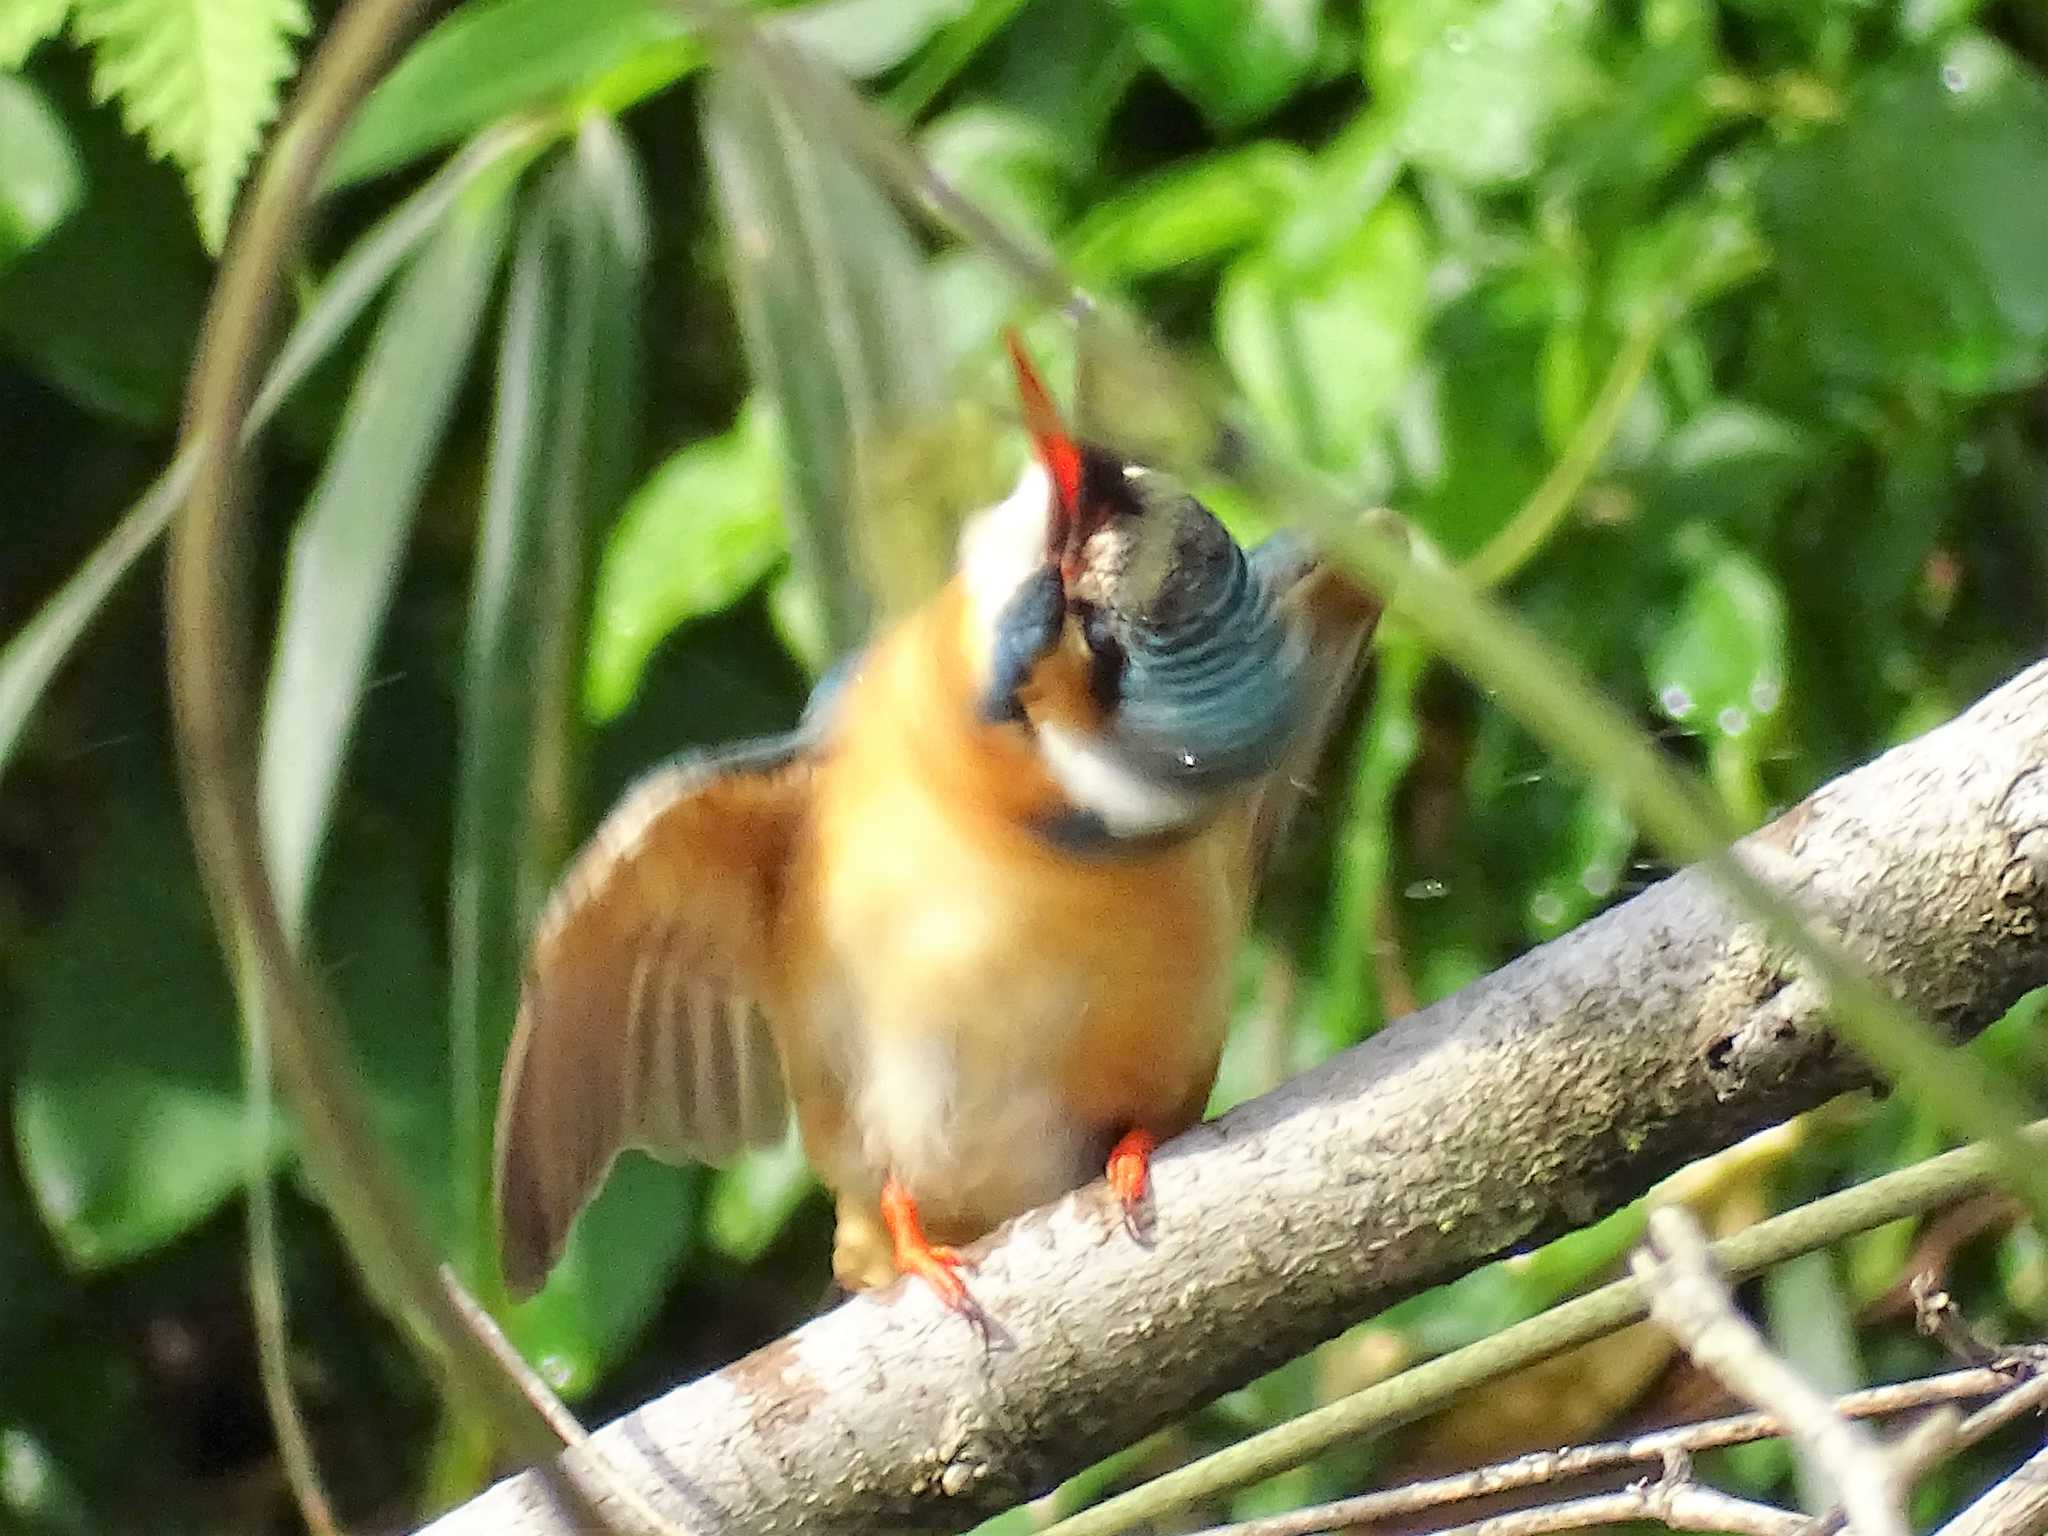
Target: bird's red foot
<point>1130,1171</point>
<point>935,1263</point>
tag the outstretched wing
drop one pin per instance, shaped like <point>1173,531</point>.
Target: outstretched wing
<point>1335,617</point>
<point>642,1021</point>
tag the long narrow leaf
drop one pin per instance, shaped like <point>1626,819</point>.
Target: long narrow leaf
<point>829,284</point>
<point>346,553</point>
<point>561,447</point>
<point>31,658</point>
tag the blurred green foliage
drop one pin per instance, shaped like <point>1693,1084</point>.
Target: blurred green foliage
<point>1717,331</point>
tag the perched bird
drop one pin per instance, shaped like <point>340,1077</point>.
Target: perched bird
<point>975,918</point>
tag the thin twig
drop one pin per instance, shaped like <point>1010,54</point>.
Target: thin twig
<point>1685,1506</point>
<point>1544,1467</point>
<point>1692,1302</point>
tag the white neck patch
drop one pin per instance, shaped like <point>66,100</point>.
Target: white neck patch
<point>1126,802</point>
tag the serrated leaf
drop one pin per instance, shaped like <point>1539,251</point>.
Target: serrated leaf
<point>701,531</point>
<point>1321,348</point>
<point>199,80</point>
<point>26,23</point>
<point>351,537</point>
<point>41,181</point>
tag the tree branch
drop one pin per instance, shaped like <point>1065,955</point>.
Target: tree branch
<point>1530,1103</point>
<point>1692,1302</point>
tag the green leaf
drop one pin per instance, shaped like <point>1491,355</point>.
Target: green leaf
<point>32,656</point>
<point>753,1200</point>
<point>1910,235</point>
<point>701,531</point>
<point>491,58</point>
<point>622,1254</point>
<point>198,79</point>
<point>1732,467</point>
<point>1584,869</point>
<point>1191,213</point>
<point>107,307</point>
<point>1719,668</point>
<point>1322,348</point>
<point>562,435</point>
<point>347,548</point>
<point>41,181</point>
<point>128,1104</point>
<point>865,38</point>
<point>26,23</point>
<point>838,335</point>
<point>1478,84</point>
<point>1235,59</point>
<point>1007,162</point>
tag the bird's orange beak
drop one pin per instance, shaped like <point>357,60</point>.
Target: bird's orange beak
<point>1055,447</point>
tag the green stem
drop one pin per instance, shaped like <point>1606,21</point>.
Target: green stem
<point>1402,1399</point>
<point>1538,518</point>
<point>954,50</point>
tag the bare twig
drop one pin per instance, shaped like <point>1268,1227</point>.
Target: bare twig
<point>2018,1506</point>
<point>1685,1506</point>
<point>1692,1302</point>
<point>1546,1467</point>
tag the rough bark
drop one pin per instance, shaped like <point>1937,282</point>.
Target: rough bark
<point>1531,1102</point>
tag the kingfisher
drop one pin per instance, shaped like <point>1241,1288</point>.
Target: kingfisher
<point>974,920</point>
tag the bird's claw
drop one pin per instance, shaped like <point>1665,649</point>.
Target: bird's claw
<point>1130,1175</point>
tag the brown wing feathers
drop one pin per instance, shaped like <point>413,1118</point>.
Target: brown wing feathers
<point>642,1020</point>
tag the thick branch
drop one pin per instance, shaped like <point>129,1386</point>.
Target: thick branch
<point>1530,1103</point>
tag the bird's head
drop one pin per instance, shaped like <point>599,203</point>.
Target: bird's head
<point>1116,568</point>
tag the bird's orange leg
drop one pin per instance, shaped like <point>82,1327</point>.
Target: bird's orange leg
<point>1130,1170</point>
<point>916,1254</point>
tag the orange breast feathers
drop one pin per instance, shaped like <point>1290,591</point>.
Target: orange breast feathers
<point>971,1009</point>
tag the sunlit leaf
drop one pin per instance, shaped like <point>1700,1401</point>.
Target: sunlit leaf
<point>1720,665</point>
<point>490,58</point>
<point>1235,59</point>
<point>40,177</point>
<point>867,37</point>
<point>1189,214</point>
<point>26,23</point>
<point>1007,162</point>
<point>753,1199</point>
<point>1478,83</point>
<point>1322,349</point>
<point>704,528</point>
<point>199,79</point>
<point>351,537</point>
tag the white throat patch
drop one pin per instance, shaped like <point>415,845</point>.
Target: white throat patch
<point>1004,544</point>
